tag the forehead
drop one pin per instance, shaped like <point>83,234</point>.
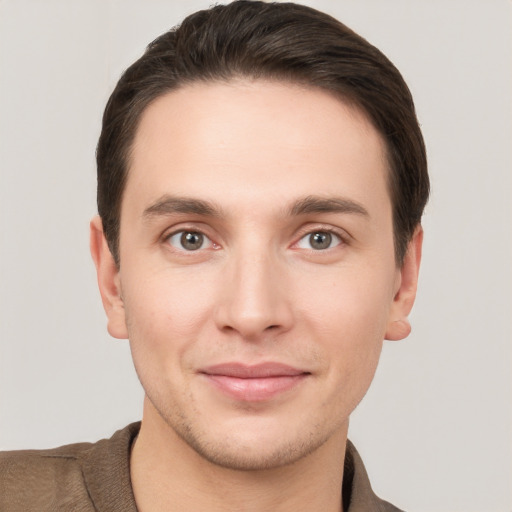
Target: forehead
<point>265,141</point>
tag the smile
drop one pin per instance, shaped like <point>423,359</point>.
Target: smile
<point>254,383</point>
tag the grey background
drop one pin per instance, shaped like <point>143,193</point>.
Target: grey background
<point>435,428</point>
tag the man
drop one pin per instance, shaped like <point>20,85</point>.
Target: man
<point>261,180</point>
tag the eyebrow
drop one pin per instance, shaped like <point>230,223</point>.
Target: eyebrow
<point>317,204</point>
<point>170,205</point>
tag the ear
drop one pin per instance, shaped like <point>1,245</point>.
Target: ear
<point>398,326</point>
<point>108,281</point>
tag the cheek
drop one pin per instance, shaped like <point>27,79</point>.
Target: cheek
<point>348,307</point>
<point>166,311</point>
<point>348,316</point>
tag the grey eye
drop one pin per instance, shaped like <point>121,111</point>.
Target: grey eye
<point>189,240</point>
<point>319,240</point>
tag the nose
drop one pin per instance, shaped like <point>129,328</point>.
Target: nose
<point>254,301</point>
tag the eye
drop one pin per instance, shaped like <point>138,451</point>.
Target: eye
<point>189,240</point>
<point>319,241</point>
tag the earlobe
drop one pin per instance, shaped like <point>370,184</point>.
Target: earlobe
<point>398,329</point>
<point>398,326</point>
<point>108,280</point>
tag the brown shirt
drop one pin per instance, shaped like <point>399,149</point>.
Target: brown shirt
<point>88,477</point>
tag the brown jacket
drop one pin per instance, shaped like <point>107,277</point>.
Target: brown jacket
<point>87,477</point>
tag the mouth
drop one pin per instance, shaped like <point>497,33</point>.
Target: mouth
<point>254,383</point>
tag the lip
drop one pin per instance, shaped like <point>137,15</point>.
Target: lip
<point>254,383</point>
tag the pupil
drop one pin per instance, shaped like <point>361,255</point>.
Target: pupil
<point>192,241</point>
<point>320,240</point>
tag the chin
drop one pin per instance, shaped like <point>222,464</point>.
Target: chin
<point>255,456</point>
<point>248,438</point>
<point>252,445</point>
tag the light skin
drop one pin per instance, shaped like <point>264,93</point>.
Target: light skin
<point>256,237</point>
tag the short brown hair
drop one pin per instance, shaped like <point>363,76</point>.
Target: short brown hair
<point>276,41</point>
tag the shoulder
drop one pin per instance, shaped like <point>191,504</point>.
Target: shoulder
<point>82,477</point>
<point>41,479</point>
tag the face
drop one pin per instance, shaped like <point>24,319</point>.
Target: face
<point>257,277</point>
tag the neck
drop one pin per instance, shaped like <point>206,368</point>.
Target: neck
<point>167,474</point>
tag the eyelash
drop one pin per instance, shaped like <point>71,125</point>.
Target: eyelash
<point>167,239</point>
<point>307,232</point>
